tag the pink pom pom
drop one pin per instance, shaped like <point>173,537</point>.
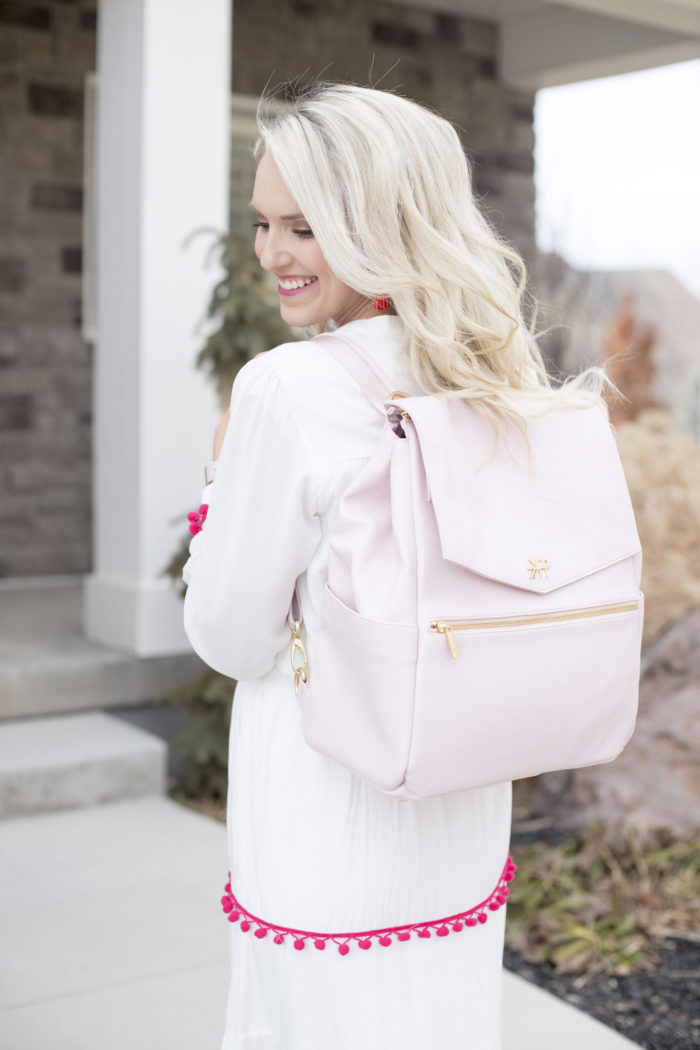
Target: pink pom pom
<point>364,944</point>
<point>404,935</point>
<point>343,949</point>
<point>234,916</point>
<point>424,933</point>
<point>279,939</point>
<point>385,941</point>
<point>261,933</point>
<point>457,926</point>
<point>471,921</point>
<point>227,904</point>
<point>245,925</point>
<point>319,944</point>
<point>482,917</point>
<point>227,887</point>
<point>197,518</point>
<point>442,931</point>
<point>299,944</point>
<point>494,906</point>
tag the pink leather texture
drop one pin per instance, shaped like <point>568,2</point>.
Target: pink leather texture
<point>447,525</point>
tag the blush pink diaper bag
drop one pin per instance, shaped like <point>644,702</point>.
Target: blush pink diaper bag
<point>482,618</point>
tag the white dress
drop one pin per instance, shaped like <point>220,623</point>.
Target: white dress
<point>312,847</point>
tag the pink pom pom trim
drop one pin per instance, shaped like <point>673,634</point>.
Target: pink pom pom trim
<point>366,938</point>
<point>196,518</point>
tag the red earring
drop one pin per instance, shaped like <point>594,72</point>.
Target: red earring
<point>382,302</point>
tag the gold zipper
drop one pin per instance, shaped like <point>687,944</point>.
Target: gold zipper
<point>448,627</point>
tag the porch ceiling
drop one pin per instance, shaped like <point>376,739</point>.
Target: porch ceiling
<point>543,43</point>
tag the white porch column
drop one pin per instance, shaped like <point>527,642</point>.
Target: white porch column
<point>162,172</point>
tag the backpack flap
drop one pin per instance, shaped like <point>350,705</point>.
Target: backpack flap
<point>534,518</point>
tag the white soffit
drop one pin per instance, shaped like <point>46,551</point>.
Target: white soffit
<point>545,43</point>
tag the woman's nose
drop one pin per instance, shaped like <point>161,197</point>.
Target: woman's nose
<point>274,255</point>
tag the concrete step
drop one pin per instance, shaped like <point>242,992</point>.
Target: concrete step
<point>47,665</point>
<point>76,760</point>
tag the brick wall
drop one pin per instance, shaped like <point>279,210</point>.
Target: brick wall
<point>45,374</point>
<point>445,61</point>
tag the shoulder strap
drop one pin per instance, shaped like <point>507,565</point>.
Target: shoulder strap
<point>376,388</point>
<point>364,370</point>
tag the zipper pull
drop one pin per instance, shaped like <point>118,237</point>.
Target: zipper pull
<point>452,643</point>
<point>444,628</point>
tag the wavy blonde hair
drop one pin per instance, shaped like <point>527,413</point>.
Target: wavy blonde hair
<point>386,188</point>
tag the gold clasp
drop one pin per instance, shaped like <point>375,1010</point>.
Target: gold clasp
<point>394,395</point>
<point>298,648</point>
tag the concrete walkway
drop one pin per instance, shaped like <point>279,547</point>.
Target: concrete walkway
<point>113,939</point>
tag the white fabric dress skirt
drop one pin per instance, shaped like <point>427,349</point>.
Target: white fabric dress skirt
<point>313,849</point>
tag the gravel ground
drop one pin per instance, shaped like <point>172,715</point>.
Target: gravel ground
<point>659,1010</point>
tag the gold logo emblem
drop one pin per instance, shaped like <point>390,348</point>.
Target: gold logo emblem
<point>539,568</point>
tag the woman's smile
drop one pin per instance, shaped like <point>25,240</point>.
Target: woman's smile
<point>291,284</point>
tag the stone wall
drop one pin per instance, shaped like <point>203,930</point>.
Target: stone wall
<point>45,375</point>
<point>445,61</point>
<point>46,48</point>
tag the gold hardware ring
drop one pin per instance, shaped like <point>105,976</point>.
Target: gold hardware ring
<point>298,649</point>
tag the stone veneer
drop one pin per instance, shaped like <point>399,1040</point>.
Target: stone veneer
<point>45,370</point>
<point>46,48</point>
<point>444,61</point>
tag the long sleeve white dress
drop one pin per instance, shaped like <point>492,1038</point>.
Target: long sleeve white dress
<point>313,849</point>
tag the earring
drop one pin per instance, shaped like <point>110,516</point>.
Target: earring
<point>382,302</point>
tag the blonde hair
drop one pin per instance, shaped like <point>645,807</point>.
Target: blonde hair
<point>385,186</point>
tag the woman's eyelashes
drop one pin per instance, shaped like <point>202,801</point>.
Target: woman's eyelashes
<point>260,225</point>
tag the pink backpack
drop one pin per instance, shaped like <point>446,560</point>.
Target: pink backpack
<point>482,618</point>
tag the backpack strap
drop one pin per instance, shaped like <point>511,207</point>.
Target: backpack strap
<point>361,366</point>
<point>376,388</point>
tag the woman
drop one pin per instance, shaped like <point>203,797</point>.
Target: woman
<point>364,212</point>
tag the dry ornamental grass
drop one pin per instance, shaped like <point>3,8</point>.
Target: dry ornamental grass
<point>662,467</point>
<point>601,905</point>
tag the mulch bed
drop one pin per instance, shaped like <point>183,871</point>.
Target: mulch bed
<point>659,1010</point>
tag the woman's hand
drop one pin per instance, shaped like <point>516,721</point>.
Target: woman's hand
<point>220,432</point>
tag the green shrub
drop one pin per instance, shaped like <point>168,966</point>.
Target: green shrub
<point>203,746</point>
<point>244,308</point>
